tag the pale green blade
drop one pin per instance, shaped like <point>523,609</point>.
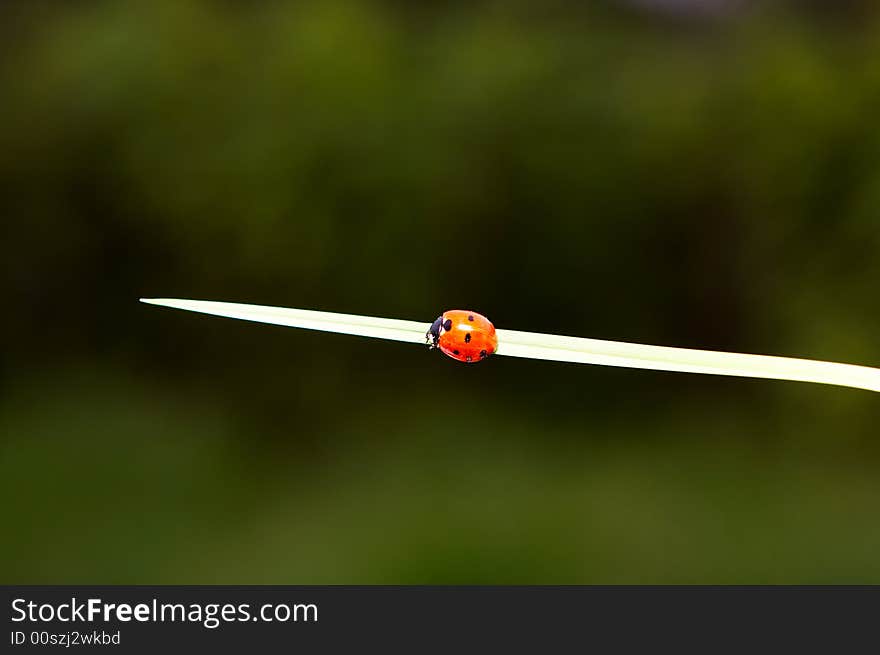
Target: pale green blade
<point>661,358</point>
<point>557,348</point>
<point>365,326</point>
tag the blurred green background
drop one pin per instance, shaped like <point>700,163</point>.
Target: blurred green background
<point>680,173</point>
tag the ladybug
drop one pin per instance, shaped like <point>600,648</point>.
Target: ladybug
<point>463,335</point>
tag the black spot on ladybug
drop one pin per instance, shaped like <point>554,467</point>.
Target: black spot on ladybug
<point>471,317</point>
<point>469,358</point>
<point>455,352</point>
<point>483,354</point>
<point>447,324</point>
<point>467,338</point>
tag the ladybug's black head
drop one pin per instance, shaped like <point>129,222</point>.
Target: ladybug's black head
<point>432,336</point>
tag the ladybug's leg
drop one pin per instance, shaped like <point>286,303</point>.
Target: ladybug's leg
<point>432,336</point>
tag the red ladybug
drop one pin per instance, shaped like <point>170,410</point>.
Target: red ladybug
<point>463,335</point>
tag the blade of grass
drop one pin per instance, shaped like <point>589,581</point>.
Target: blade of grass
<point>533,345</point>
<point>662,358</point>
<point>365,326</point>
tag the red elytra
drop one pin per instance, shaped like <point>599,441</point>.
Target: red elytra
<point>463,335</point>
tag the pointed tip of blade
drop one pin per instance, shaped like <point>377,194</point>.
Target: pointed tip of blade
<point>164,302</point>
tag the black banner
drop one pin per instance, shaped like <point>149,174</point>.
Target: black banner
<point>456,619</point>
